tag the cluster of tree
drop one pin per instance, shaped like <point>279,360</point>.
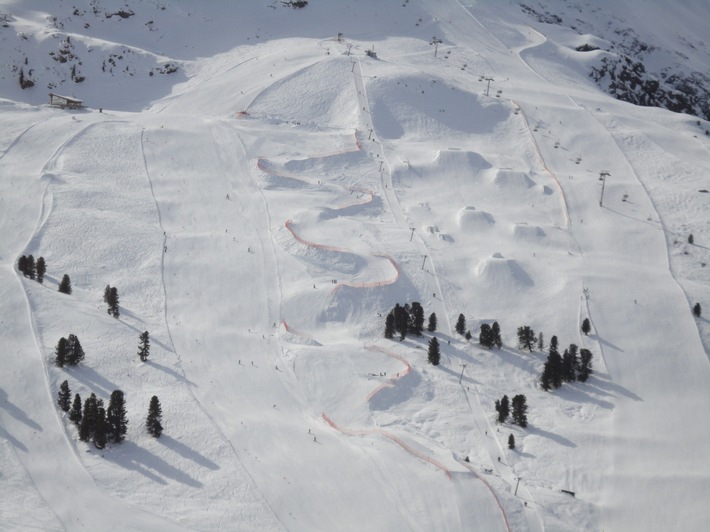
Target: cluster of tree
<point>519,413</point>
<point>407,319</point>
<point>68,351</point>
<point>99,424</point>
<point>569,367</point>
<point>29,268</point>
<point>489,336</point>
<point>111,299</point>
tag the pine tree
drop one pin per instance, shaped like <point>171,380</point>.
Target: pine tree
<point>586,326</point>
<point>155,417</point>
<point>75,353</point>
<point>569,364</point>
<point>65,285</point>
<point>511,442</point>
<point>526,338</point>
<point>116,416</point>
<point>416,317</point>
<point>22,265</point>
<point>389,325</point>
<point>496,340</point>
<point>64,396</point>
<point>697,310</point>
<point>61,352</point>
<point>401,319</point>
<point>461,325</point>
<point>485,336</point>
<point>75,412</point>
<point>41,269</point>
<point>100,437</point>
<point>144,346</point>
<point>691,240</point>
<point>434,352</point>
<point>585,365</point>
<point>541,342</point>
<point>107,294</point>
<point>113,301</point>
<point>88,420</point>
<point>503,409</point>
<point>468,336</point>
<point>31,267</point>
<point>431,326</point>
<point>545,380</point>
<point>520,411</point>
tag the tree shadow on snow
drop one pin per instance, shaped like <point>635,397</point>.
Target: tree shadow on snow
<point>93,380</point>
<point>10,438</point>
<point>598,381</point>
<point>131,456</point>
<point>550,436</point>
<point>171,372</point>
<point>17,412</point>
<point>184,451</point>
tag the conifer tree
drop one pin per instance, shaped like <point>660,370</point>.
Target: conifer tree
<point>585,365</point>
<point>526,338</point>
<point>100,437</point>
<point>155,417</point>
<point>389,325</point>
<point>697,310</point>
<point>31,267</point>
<point>61,352</point>
<point>75,353</point>
<point>461,325</point>
<point>113,302</point>
<point>541,342</point>
<point>468,335</point>
<point>116,416</point>
<point>144,346</point>
<point>64,396</point>
<point>485,336</point>
<point>503,409</point>
<point>88,420</point>
<point>545,380</point>
<point>401,319</point>
<point>569,364</point>
<point>107,294</point>
<point>41,269</point>
<point>22,265</point>
<point>511,442</point>
<point>416,317</point>
<point>431,326</point>
<point>496,340</point>
<point>586,326</point>
<point>65,285</point>
<point>520,411</point>
<point>434,352</point>
<point>75,412</point>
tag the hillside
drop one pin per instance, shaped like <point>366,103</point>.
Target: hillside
<point>264,183</point>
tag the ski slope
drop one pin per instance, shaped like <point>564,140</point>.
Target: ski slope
<point>263,211</point>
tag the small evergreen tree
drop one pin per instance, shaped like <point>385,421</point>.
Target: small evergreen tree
<point>520,411</point>
<point>691,240</point>
<point>511,442</point>
<point>526,338</point>
<point>31,267</point>
<point>586,326</point>
<point>585,365</point>
<point>113,301</point>
<point>461,325</point>
<point>401,320</point>
<point>496,340</point>
<point>569,364</point>
<point>41,269</point>
<point>503,409</point>
<point>155,416</point>
<point>107,294</point>
<point>434,352</point>
<point>64,396</point>
<point>144,346</point>
<point>545,380</point>
<point>697,310</point>
<point>61,352</point>
<point>75,412</point>
<point>100,437</point>
<point>75,352</point>
<point>22,265</point>
<point>485,336</point>
<point>389,326</point>
<point>541,342</point>
<point>116,416</point>
<point>468,336</point>
<point>65,285</point>
<point>88,420</point>
<point>416,317</point>
<point>431,326</point>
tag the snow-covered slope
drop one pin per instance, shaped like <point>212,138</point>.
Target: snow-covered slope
<point>262,192</point>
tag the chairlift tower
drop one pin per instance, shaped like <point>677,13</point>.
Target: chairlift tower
<point>488,86</point>
<point>436,42</point>
<point>603,175</point>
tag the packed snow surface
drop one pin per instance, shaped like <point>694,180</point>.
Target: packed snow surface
<point>263,208</point>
